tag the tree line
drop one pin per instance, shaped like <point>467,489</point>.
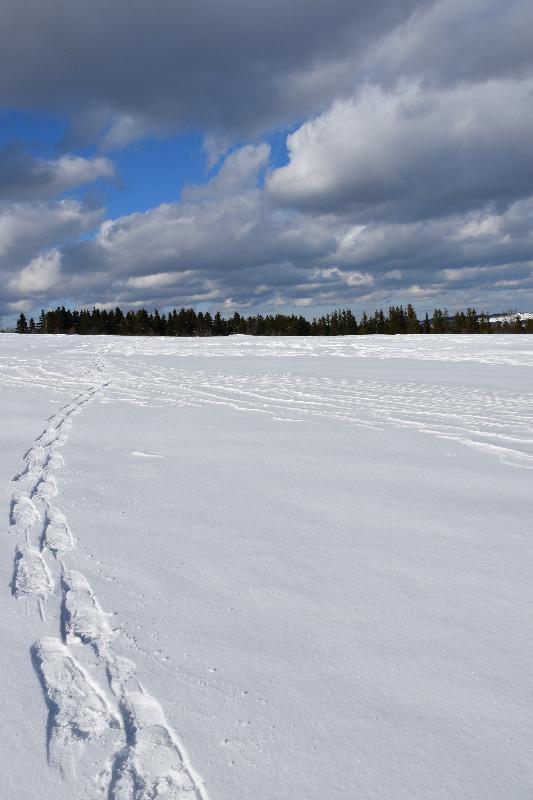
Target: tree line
<point>188,322</point>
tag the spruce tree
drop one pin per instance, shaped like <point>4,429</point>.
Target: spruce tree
<point>41,324</point>
<point>22,325</point>
<point>413,325</point>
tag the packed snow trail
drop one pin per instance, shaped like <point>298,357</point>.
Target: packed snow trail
<point>143,758</point>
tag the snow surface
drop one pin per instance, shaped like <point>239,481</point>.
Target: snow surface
<point>259,569</point>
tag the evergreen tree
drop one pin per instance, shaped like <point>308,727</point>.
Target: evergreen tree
<point>41,323</point>
<point>22,325</point>
<point>363,325</point>
<point>340,322</point>
<point>439,321</point>
<point>413,325</point>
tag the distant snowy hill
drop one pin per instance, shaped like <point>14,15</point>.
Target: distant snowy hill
<point>509,317</point>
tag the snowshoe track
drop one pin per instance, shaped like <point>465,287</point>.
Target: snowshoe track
<point>23,515</point>
<point>31,575</point>
<point>57,536</point>
<point>82,617</point>
<point>78,710</point>
<point>153,764</point>
<point>145,757</point>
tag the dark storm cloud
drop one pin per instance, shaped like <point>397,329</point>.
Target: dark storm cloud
<point>239,66</point>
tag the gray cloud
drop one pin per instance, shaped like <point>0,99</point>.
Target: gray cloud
<point>410,170</point>
<point>457,41</point>
<point>30,235</point>
<point>235,66</point>
<point>23,177</point>
<point>238,249</point>
<point>26,228</point>
<point>413,152</point>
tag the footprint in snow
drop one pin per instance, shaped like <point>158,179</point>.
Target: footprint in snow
<point>83,618</point>
<point>57,536</point>
<point>23,511</point>
<point>153,764</point>
<point>78,710</point>
<point>31,576</point>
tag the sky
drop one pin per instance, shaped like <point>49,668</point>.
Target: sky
<point>266,157</point>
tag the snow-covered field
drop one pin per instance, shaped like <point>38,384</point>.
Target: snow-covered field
<point>266,569</point>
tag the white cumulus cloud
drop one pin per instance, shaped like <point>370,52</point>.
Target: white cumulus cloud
<point>40,275</point>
